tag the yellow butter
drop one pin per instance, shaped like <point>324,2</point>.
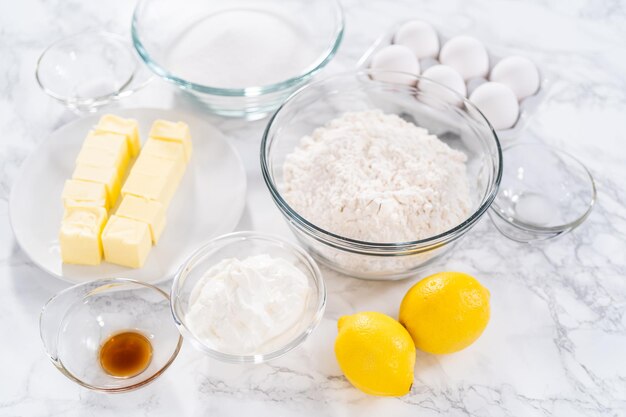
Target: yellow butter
<point>157,166</point>
<point>79,237</point>
<point>142,209</point>
<point>108,176</point>
<point>85,193</point>
<point>174,151</point>
<point>127,127</point>
<point>126,241</point>
<point>173,131</point>
<point>110,142</point>
<point>102,158</point>
<point>154,187</point>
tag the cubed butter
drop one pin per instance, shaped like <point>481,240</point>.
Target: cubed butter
<point>102,158</point>
<point>111,142</point>
<point>154,165</point>
<point>174,151</point>
<point>102,175</point>
<point>126,242</point>
<point>84,193</point>
<point>154,187</point>
<point>144,210</point>
<point>79,236</point>
<point>173,131</point>
<point>127,127</point>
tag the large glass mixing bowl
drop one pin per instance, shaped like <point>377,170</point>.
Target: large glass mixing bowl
<point>462,127</point>
<point>239,58</point>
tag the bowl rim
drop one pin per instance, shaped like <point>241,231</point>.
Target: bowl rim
<point>85,101</point>
<point>321,295</point>
<point>560,154</point>
<point>388,248</point>
<point>251,91</point>
<point>58,363</point>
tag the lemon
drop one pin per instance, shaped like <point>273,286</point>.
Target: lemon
<point>445,312</point>
<point>375,353</point>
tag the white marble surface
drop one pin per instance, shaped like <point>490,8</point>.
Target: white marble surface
<point>556,344</point>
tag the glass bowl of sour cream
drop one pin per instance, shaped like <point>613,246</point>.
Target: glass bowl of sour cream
<point>248,297</point>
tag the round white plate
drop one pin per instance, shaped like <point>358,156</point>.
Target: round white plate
<point>209,201</point>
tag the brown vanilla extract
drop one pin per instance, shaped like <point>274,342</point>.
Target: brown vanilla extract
<point>125,354</point>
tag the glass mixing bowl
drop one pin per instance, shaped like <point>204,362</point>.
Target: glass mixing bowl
<point>240,58</point>
<point>89,70</point>
<point>544,193</point>
<point>462,127</point>
<point>242,245</point>
<point>78,320</point>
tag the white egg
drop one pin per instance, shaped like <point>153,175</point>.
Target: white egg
<point>447,76</point>
<point>498,103</point>
<point>420,37</point>
<point>519,74</point>
<point>395,58</point>
<point>467,55</point>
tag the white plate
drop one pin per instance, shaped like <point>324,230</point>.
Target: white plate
<point>209,201</point>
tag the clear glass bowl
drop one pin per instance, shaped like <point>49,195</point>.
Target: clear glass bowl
<point>89,70</point>
<point>462,127</point>
<point>243,245</point>
<point>239,58</point>
<point>78,320</point>
<point>544,193</point>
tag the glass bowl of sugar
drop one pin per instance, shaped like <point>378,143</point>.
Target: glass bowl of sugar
<point>376,179</point>
<point>238,58</point>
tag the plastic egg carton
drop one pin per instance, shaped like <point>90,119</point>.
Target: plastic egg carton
<point>528,105</point>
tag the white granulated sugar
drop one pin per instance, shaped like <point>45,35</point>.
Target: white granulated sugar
<point>375,177</point>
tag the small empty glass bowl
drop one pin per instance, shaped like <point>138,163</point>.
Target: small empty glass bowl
<point>238,58</point>
<point>76,322</point>
<point>242,245</point>
<point>89,70</point>
<point>543,194</point>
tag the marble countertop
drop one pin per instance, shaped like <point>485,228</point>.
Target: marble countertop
<point>556,344</point>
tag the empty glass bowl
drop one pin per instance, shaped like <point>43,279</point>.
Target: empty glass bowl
<point>242,245</point>
<point>77,321</point>
<point>544,193</point>
<point>239,58</point>
<point>462,127</point>
<point>89,70</point>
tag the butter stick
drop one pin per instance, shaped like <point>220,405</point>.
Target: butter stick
<point>110,123</point>
<point>79,236</point>
<point>84,193</point>
<point>126,242</point>
<point>174,132</point>
<point>144,210</point>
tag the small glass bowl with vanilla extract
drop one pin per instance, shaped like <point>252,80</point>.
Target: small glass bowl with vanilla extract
<point>111,335</point>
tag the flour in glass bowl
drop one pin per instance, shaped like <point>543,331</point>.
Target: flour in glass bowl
<point>374,177</point>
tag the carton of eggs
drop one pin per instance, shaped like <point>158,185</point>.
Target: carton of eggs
<point>506,90</point>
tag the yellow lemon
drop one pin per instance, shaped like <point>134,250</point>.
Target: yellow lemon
<point>445,312</point>
<point>375,353</point>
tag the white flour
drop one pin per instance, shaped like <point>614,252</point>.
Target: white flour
<point>375,177</point>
